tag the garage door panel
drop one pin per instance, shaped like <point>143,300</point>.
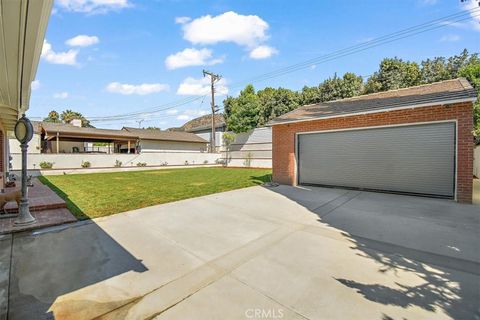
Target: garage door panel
<point>413,159</point>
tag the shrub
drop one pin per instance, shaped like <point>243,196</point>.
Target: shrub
<point>118,163</point>
<point>141,164</point>
<point>46,165</point>
<point>205,161</point>
<point>86,164</point>
<point>248,159</point>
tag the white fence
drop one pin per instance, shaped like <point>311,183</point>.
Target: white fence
<point>476,161</point>
<point>74,160</point>
<point>251,149</point>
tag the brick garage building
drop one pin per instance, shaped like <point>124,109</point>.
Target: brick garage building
<point>415,140</point>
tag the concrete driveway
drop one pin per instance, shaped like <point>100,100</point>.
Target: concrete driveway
<point>255,253</point>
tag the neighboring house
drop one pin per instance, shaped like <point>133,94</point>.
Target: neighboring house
<point>73,138</point>
<point>52,137</point>
<point>22,25</point>
<point>202,127</point>
<point>415,140</point>
<point>154,140</point>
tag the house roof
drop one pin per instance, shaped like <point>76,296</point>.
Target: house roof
<point>449,91</point>
<point>154,134</point>
<point>204,122</point>
<point>68,130</point>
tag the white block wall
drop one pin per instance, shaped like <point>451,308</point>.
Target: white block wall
<point>74,161</point>
<point>255,144</point>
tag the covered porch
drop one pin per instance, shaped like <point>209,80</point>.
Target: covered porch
<point>64,138</point>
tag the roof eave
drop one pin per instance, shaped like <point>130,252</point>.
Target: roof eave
<point>412,106</point>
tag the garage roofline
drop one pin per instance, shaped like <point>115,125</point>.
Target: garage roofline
<point>409,106</point>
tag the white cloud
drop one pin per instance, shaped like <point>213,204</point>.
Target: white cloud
<point>199,87</point>
<point>35,84</point>
<point>82,40</point>
<point>93,6</point>
<point>140,89</point>
<point>183,117</point>
<point>230,26</point>
<point>428,2</point>
<point>60,95</point>
<point>450,38</point>
<point>191,57</point>
<point>69,57</point>
<point>191,114</point>
<point>473,6</point>
<point>263,52</point>
<point>172,111</point>
<point>182,20</point>
<point>474,14</point>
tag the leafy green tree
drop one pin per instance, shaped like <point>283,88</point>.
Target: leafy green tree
<point>394,73</point>
<point>472,73</point>
<point>152,128</point>
<point>53,116</point>
<point>309,95</point>
<point>244,111</point>
<point>68,115</point>
<point>339,88</point>
<point>275,102</point>
<point>434,70</point>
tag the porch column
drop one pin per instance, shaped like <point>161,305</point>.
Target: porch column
<point>128,146</point>
<point>58,142</point>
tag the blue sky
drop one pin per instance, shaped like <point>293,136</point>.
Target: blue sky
<point>104,58</point>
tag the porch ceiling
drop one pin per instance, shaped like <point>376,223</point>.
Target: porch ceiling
<point>22,30</point>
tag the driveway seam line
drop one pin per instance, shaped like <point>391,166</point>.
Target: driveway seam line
<point>222,272</point>
<point>268,297</point>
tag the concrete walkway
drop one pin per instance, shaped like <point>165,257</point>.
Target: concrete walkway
<point>255,253</point>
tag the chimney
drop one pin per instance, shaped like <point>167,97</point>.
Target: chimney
<point>76,122</point>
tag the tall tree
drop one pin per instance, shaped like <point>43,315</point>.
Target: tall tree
<point>339,88</point>
<point>53,116</point>
<point>68,115</point>
<point>472,73</point>
<point>244,111</point>
<point>275,102</point>
<point>309,95</point>
<point>394,73</point>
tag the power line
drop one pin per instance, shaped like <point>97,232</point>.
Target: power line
<point>395,36</point>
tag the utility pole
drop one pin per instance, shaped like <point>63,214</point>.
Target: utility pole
<point>213,78</point>
<point>140,123</point>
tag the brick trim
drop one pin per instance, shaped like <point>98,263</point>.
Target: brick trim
<point>283,138</point>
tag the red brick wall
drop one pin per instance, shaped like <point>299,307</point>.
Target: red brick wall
<point>283,139</point>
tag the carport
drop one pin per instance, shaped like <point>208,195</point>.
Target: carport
<point>411,141</point>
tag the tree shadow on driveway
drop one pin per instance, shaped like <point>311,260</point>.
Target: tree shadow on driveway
<point>398,233</point>
<point>47,265</point>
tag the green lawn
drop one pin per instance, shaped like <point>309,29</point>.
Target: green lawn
<point>102,194</point>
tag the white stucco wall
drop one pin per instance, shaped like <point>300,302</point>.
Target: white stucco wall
<point>33,145</point>
<point>156,146</point>
<point>476,161</point>
<point>74,160</point>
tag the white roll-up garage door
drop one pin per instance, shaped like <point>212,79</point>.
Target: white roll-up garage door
<point>417,159</point>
